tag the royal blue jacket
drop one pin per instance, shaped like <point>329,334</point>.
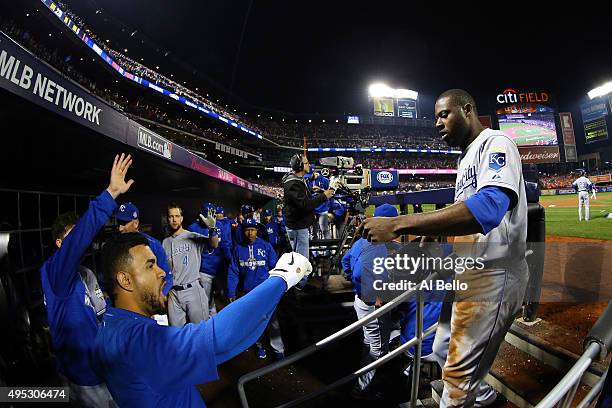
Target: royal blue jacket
<point>224,230</point>
<point>323,183</point>
<point>212,258</point>
<point>148,365</point>
<point>250,263</point>
<point>162,260</point>
<point>274,233</point>
<point>73,323</point>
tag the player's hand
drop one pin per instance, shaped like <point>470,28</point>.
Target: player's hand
<point>378,229</point>
<point>209,220</point>
<point>292,267</point>
<point>117,184</point>
<point>329,193</point>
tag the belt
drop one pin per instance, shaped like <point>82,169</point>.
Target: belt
<point>178,288</point>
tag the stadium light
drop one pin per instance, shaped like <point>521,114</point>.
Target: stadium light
<point>601,90</point>
<point>379,89</point>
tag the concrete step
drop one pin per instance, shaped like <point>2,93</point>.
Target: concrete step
<point>520,378</point>
<point>542,341</point>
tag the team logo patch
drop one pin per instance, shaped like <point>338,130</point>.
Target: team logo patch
<point>497,161</point>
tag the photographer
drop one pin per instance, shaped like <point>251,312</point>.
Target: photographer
<point>300,204</point>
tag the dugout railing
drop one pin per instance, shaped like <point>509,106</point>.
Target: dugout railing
<point>596,346</point>
<point>416,341</point>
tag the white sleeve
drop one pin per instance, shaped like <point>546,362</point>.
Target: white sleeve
<point>499,164</point>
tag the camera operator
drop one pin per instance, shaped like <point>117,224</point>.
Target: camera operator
<point>300,204</point>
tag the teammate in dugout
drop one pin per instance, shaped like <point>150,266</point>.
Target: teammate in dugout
<point>146,364</point>
<point>252,259</point>
<point>74,302</point>
<point>490,210</point>
<point>274,230</point>
<point>187,301</point>
<point>212,256</point>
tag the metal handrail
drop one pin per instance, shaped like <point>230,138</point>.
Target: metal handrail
<point>594,392</point>
<point>340,335</point>
<point>569,383</point>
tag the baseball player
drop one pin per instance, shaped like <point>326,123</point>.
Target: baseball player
<point>280,220</point>
<point>127,217</point>
<point>75,304</point>
<point>224,231</point>
<point>357,264</point>
<point>339,209</point>
<point>274,230</point>
<point>148,365</point>
<point>212,256</point>
<point>594,191</point>
<point>583,185</point>
<point>247,211</point>
<point>319,183</point>
<point>490,211</point>
<point>187,302</point>
<point>253,258</point>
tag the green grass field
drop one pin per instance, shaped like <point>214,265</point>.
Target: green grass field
<point>562,217</point>
<point>524,134</point>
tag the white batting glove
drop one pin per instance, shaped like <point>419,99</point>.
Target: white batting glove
<point>292,267</point>
<point>210,221</point>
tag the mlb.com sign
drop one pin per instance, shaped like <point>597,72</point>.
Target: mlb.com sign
<point>510,95</point>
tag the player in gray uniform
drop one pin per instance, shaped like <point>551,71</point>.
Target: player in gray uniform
<point>490,214</point>
<point>583,185</point>
<point>187,298</point>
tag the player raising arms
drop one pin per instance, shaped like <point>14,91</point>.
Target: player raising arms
<point>490,205</point>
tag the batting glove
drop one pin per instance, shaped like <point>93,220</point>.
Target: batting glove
<point>210,221</point>
<point>292,267</point>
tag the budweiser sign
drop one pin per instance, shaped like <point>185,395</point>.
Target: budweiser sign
<point>539,154</point>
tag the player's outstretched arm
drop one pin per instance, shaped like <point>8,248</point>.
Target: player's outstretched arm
<point>62,269</point>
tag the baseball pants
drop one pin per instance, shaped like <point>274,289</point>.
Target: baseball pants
<point>376,336</point>
<point>472,328</point>
<point>188,305</point>
<point>207,282</point>
<point>583,199</point>
<point>274,334</point>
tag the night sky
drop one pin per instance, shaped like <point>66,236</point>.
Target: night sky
<point>320,57</point>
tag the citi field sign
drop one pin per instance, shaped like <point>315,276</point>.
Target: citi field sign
<point>510,95</point>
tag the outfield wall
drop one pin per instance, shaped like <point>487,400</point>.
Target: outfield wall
<point>562,191</point>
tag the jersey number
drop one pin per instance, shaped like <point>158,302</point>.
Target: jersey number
<point>185,261</point>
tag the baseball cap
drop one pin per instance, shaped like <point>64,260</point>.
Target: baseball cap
<point>249,223</point>
<point>385,210</point>
<point>267,213</point>
<point>246,208</point>
<point>206,207</point>
<point>127,212</point>
<point>219,210</point>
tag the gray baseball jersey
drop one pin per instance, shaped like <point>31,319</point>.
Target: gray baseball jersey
<point>184,252</point>
<point>582,184</point>
<point>493,159</point>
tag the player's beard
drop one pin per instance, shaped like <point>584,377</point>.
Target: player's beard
<point>153,302</point>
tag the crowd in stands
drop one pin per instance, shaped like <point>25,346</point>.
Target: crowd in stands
<point>136,68</point>
<point>345,135</point>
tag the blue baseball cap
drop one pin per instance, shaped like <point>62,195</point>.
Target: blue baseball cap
<point>249,223</point>
<point>126,212</point>
<point>267,213</point>
<point>385,210</point>
<point>246,208</point>
<point>207,207</point>
<point>219,210</point>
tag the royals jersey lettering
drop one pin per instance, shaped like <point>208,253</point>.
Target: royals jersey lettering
<point>492,159</point>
